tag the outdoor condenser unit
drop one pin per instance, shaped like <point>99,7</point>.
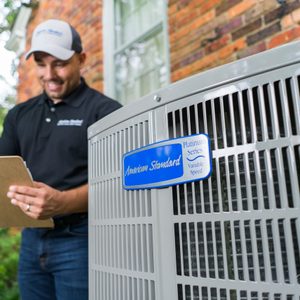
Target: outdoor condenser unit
<point>233,235</point>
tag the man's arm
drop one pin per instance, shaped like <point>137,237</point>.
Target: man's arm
<point>46,202</point>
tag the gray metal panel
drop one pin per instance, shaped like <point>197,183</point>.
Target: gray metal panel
<point>217,77</point>
<point>235,233</point>
<point>121,239</point>
<point>233,236</point>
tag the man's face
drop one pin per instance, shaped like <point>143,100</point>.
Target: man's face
<point>58,77</point>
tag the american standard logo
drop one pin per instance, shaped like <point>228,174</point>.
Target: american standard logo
<point>169,162</point>
<point>154,165</point>
<point>72,122</point>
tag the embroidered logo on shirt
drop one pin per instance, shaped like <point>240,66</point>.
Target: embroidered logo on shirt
<point>71,122</point>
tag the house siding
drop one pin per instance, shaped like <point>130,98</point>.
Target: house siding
<point>202,34</point>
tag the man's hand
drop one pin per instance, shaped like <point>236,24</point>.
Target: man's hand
<point>39,202</point>
<point>42,201</point>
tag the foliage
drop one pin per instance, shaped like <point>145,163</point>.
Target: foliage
<point>9,248</point>
<point>9,242</point>
<point>3,112</point>
<point>11,11</point>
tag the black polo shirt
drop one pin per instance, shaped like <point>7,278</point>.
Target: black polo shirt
<point>52,138</point>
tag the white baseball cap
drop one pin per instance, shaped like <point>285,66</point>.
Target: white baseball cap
<point>57,38</point>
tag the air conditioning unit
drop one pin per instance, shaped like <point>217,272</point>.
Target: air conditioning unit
<point>234,234</point>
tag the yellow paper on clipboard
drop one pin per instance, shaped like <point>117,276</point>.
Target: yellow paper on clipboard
<point>13,171</point>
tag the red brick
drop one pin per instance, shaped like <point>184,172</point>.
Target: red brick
<point>252,50</point>
<point>247,29</point>
<point>264,33</point>
<point>232,48</point>
<point>208,5</point>
<point>229,26</point>
<point>216,45</point>
<point>226,5</point>
<point>200,33</point>
<point>172,9</point>
<point>240,8</point>
<point>291,20</point>
<point>204,19</point>
<point>284,37</point>
<point>281,11</point>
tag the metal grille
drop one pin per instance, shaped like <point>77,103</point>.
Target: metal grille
<point>223,229</point>
<point>121,234</point>
<point>234,236</point>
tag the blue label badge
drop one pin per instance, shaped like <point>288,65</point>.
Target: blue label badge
<point>168,163</point>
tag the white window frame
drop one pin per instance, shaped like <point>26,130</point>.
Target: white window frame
<point>109,51</point>
<point>17,38</point>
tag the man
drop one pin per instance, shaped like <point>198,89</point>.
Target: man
<point>50,133</point>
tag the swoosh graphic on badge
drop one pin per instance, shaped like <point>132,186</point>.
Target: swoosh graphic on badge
<point>199,156</point>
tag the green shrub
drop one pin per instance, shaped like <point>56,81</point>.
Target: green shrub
<point>9,254</point>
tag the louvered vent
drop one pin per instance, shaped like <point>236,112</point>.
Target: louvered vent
<point>241,224</point>
<point>233,236</point>
<point>121,234</point>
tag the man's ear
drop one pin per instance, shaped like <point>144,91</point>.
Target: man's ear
<point>82,58</point>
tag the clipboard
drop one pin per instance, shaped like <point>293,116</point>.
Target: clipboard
<point>13,171</point>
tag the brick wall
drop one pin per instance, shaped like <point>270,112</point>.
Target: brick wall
<point>202,33</point>
<point>85,16</point>
<point>208,33</point>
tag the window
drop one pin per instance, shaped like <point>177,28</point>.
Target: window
<point>135,48</point>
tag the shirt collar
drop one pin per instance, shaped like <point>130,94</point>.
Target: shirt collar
<point>74,99</point>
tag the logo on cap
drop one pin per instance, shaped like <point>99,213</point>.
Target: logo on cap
<point>49,31</point>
